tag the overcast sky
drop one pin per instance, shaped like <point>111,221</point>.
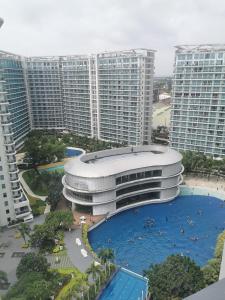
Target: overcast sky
<point>59,27</point>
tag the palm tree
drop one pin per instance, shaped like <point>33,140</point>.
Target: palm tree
<point>94,270</point>
<point>24,230</point>
<point>106,254</point>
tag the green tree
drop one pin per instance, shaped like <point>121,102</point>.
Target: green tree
<point>53,199</point>
<point>32,262</point>
<point>38,290</point>
<point>42,147</point>
<point>43,236</point>
<point>24,230</point>
<point>31,285</point>
<point>106,254</point>
<point>55,190</point>
<point>3,278</point>
<point>211,271</point>
<point>177,277</point>
<point>94,270</point>
<point>61,219</point>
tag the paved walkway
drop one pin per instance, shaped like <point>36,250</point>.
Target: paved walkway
<point>73,250</point>
<point>27,188</point>
<point>64,261</point>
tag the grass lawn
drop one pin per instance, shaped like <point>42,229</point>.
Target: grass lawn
<point>35,182</point>
<point>37,205</point>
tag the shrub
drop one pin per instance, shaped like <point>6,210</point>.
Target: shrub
<point>211,270</point>
<point>86,241</point>
<point>77,280</point>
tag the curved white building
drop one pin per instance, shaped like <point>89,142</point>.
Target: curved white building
<point>112,180</point>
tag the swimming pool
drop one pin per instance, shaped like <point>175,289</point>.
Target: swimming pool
<point>189,225</point>
<point>71,152</point>
<point>125,286</point>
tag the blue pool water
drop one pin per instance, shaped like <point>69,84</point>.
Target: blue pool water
<point>124,286</point>
<point>53,169</point>
<point>188,225</point>
<point>70,152</point>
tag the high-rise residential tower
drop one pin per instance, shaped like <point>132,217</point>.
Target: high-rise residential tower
<point>198,99</point>
<point>107,96</point>
<point>14,125</point>
<point>43,77</point>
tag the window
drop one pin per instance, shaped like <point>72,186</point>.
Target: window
<point>6,203</point>
<point>7,211</point>
<point>4,195</point>
<point>1,177</point>
<point>3,186</point>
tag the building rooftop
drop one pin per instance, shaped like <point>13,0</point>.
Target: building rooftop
<point>114,161</point>
<point>201,47</point>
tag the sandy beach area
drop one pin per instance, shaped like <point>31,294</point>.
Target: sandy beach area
<point>213,183</point>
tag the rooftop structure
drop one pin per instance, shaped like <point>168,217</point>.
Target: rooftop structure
<point>110,180</point>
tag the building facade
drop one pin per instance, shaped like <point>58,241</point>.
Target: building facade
<point>107,96</point>
<point>109,181</point>
<point>13,202</point>
<point>43,77</point>
<point>198,99</point>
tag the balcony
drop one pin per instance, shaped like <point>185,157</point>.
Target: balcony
<point>8,141</point>
<point>11,160</point>
<point>15,187</point>
<point>13,169</point>
<point>23,202</point>
<point>14,178</point>
<point>22,211</point>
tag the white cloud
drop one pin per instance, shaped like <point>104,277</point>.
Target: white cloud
<point>48,27</point>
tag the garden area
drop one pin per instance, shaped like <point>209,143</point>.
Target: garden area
<point>39,279</point>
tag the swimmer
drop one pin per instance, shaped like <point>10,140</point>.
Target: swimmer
<point>199,212</point>
<point>182,230</point>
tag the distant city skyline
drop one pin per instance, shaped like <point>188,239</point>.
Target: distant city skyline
<point>47,27</point>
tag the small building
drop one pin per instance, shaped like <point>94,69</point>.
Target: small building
<point>113,180</point>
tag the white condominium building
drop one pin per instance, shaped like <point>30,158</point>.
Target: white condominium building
<point>43,78</point>
<point>107,96</point>
<point>13,203</point>
<point>198,99</point>
<point>76,94</point>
